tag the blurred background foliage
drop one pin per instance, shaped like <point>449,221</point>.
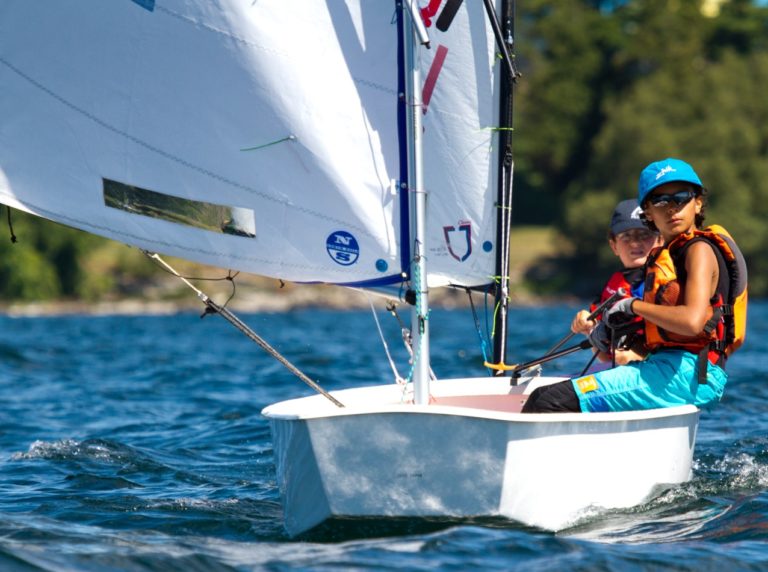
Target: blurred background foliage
<point>607,87</point>
<point>52,262</point>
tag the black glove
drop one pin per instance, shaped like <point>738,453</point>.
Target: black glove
<point>620,313</point>
<point>600,338</point>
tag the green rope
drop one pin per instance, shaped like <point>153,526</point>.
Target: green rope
<point>422,319</point>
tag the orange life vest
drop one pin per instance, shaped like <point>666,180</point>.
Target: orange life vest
<point>665,284</point>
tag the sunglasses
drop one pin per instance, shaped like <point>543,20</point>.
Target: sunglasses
<point>680,198</point>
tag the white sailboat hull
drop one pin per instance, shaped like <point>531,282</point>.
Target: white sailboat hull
<point>470,453</point>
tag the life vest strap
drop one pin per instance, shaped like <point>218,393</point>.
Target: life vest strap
<point>714,354</point>
<point>702,363</point>
<point>712,323</point>
<point>718,346</point>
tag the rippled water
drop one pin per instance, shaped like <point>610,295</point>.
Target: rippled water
<point>136,443</point>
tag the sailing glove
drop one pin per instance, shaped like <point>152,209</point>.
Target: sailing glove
<point>600,338</point>
<point>620,313</point>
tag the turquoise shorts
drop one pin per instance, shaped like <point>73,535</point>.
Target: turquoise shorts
<point>664,379</point>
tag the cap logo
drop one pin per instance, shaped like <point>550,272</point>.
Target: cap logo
<point>664,171</point>
<point>636,213</point>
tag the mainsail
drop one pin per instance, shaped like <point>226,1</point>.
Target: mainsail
<point>260,136</point>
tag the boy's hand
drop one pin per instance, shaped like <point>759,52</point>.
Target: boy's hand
<point>580,323</point>
<point>620,313</point>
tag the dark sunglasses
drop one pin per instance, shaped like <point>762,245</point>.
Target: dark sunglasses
<point>680,198</point>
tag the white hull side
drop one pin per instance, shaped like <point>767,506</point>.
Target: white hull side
<point>470,454</point>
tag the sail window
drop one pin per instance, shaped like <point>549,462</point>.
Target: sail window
<point>208,216</point>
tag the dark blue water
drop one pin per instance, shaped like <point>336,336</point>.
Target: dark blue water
<point>136,443</point>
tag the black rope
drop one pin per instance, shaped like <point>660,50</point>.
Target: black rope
<point>214,308</point>
<point>589,364</point>
<point>208,309</point>
<point>10,224</point>
<point>235,321</point>
<point>392,309</point>
<point>478,327</point>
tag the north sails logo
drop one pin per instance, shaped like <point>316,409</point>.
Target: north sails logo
<point>342,247</point>
<point>664,171</point>
<point>636,213</point>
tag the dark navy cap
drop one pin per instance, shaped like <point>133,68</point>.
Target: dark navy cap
<point>626,216</point>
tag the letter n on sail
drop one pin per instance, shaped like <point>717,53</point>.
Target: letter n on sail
<point>450,233</point>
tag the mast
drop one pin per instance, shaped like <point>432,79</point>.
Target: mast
<point>412,26</point>
<point>505,42</point>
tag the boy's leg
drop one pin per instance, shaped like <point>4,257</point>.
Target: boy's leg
<point>556,398</point>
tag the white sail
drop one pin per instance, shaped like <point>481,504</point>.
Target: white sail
<point>261,136</point>
<point>460,148</point>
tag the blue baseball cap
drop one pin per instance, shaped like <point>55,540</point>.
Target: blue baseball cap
<point>666,171</point>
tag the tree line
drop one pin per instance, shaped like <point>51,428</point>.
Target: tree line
<point>607,87</point>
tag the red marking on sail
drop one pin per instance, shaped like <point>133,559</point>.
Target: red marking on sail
<point>429,11</point>
<point>434,71</point>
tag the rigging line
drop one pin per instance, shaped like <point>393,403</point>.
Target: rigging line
<point>231,277</point>
<point>487,313</point>
<point>240,325</point>
<point>423,318</point>
<point>483,342</point>
<point>496,308</point>
<point>507,56</point>
<point>589,364</point>
<point>398,378</point>
<point>405,334</point>
<point>392,309</point>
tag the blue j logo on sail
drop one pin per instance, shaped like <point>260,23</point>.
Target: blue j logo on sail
<point>463,240</point>
<point>342,247</point>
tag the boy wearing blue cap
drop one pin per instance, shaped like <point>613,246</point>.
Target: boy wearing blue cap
<point>694,307</point>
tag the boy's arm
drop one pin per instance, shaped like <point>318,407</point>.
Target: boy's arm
<point>690,317</point>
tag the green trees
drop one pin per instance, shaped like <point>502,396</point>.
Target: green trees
<point>608,86</point>
<point>646,80</point>
<point>51,261</point>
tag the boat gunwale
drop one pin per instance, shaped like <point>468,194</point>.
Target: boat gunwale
<point>300,410</point>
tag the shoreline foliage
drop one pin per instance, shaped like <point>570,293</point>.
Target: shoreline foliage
<point>607,87</point>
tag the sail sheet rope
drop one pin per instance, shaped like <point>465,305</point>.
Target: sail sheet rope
<point>240,325</point>
<point>398,378</point>
<point>478,328</point>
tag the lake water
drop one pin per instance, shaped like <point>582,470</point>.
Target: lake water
<point>136,443</point>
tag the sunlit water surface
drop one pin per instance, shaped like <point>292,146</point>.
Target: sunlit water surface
<point>136,443</point>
